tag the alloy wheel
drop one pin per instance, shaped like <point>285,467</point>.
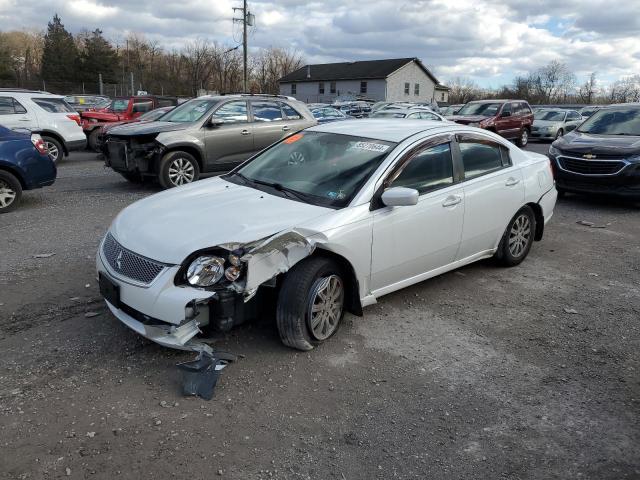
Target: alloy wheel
<point>325,306</point>
<point>524,138</point>
<point>7,194</point>
<point>519,236</point>
<point>52,151</point>
<point>296,158</point>
<point>181,171</point>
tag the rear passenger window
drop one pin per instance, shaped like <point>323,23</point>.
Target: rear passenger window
<point>290,112</point>
<point>53,105</point>
<point>428,170</point>
<point>480,157</point>
<point>9,106</point>
<point>266,112</point>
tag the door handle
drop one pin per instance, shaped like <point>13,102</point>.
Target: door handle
<point>24,120</point>
<point>512,181</point>
<point>245,132</point>
<point>451,201</point>
<point>286,128</point>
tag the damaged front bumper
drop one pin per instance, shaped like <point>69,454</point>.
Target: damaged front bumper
<point>132,155</point>
<point>172,315</point>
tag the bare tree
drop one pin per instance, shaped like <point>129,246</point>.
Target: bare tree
<point>463,90</point>
<point>270,65</point>
<point>588,89</point>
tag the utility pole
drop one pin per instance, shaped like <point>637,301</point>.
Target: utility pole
<point>248,19</point>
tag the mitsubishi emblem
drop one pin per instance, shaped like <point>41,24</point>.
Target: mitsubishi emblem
<point>119,260</point>
<point>589,156</point>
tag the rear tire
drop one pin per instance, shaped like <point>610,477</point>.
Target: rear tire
<point>517,238</point>
<point>10,192</point>
<point>523,139</point>
<point>178,168</point>
<point>559,133</point>
<point>310,303</point>
<point>92,140</point>
<point>54,148</point>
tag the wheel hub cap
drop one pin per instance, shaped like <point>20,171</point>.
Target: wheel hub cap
<point>52,151</point>
<point>325,306</point>
<point>181,171</point>
<point>7,195</point>
<point>519,235</point>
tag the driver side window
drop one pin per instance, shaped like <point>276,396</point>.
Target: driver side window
<point>232,112</point>
<point>429,169</point>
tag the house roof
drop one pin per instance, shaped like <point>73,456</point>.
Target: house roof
<point>363,70</point>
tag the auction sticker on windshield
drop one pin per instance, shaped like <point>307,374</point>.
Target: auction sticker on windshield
<point>371,147</point>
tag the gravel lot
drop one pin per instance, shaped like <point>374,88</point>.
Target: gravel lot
<point>483,373</point>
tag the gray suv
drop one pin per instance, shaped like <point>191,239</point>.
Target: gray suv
<point>206,134</point>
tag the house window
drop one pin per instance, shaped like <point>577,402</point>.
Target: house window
<point>332,87</point>
<point>442,96</point>
<point>293,89</point>
<point>416,89</point>
<point>363,87</point>
<point>407,87</point>
<point>321,88</point>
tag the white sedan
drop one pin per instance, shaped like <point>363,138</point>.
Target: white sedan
<point>327,220</point>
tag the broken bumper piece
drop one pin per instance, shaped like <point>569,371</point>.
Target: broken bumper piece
<point>172,336</point>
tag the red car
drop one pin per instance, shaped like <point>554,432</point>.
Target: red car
<point>120,109</point>
<point>511,119</point>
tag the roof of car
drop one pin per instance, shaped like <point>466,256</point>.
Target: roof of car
<point>497,100</point>
<point>388,130</point>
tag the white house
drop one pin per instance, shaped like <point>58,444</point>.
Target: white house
<point>396,79</point>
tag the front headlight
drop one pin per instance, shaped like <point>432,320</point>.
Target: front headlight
<point>205,271</point>
<point>554,152</point>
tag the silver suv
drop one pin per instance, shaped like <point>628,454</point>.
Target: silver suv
<point>206,134</point>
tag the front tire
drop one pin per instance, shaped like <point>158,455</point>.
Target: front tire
<point>54,148</point>
<point>310,303</point>
<point>523,139</point>
<point>517,239</point>
<point>178,168</point>
<point>10,192</point>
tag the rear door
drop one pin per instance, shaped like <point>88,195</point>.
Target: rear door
<point>294,120</point>
<point>230,142</point>
<point>493,191</point>
<point>269,123</point>
<point>14,115</point>
<point>573,120</point>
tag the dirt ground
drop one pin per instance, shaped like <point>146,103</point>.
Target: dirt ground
<point>484,373</point>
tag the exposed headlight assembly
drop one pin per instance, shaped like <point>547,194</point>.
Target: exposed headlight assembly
<point>553,151</point>
<point>205,271</point>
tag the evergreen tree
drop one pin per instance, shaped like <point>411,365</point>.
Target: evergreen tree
<point>98,57</point>
<point>60,55</point>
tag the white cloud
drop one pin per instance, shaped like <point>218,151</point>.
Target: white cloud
<point>488,40</point>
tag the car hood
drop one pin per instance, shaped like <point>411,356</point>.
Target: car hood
<point>102,116</point>
<point>466,118</point>
<point>146,128</point>
<point>171,225</point>
<point>547,123</point>
<point>578,142</point>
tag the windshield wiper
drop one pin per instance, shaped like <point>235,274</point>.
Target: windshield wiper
<point>280,188</point>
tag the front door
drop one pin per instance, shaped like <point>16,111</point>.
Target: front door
<point>493,191</point>
<point>507,123</point>
<point>412,240</point>
<point>228,137</point>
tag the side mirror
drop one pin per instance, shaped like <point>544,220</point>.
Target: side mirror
<point>400,197</point>
<point>505,114</point>
<point>215,122</point>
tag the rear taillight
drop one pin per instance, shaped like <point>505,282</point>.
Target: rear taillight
<point>39,143</point>
<point>75,118</point>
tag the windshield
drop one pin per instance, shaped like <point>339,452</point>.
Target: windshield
<point>320,168</point>
<point>119,105</point>
<point>191,111</point>
<point>484,109</point>
<point>327,113</point>
<point>618,121</point>
<point>550,115</point>
<point>153,115</point>
<point>588,112</point>
<point>388,114</point>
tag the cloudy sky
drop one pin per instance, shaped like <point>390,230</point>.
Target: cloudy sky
<point>489,41</point>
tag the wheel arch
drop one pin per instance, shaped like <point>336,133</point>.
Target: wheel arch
<point>539,216</point>
<point>49,133</point>
<point>353,304</point>
<point>13,171</point>
<point>190,149</point>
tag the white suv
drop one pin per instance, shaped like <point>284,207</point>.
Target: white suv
<point>50,115</point>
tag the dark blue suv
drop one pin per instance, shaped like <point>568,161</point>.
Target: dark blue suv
<point>24,165</point>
